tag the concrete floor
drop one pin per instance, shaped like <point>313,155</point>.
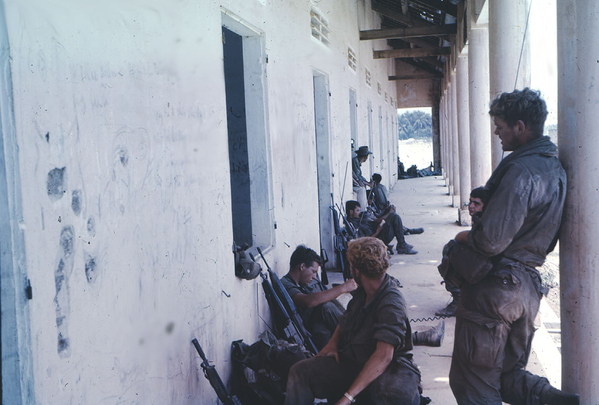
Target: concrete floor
<point>424,202</point>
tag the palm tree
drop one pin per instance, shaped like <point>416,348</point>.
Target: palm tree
<point>414,124</point>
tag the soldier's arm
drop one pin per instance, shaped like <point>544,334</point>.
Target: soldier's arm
<point>504,213</point>
<point>374,367</point>
<point>311,300</point>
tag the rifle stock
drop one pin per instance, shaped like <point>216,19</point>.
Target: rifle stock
<point>212,376</point>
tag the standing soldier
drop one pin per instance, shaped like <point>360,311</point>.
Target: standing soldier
<point>519,226</point>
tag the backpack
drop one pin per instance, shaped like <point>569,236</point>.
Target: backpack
<point>260,371</point>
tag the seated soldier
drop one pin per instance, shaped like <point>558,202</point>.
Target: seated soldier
<point>478,197</point>
<point>380,203</point>
<point>317,306</point>
<point>368,355</point>
<point>386,227</point>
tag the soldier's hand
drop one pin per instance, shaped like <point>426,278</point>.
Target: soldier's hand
<point>350,285</point>
<point>330,350</point>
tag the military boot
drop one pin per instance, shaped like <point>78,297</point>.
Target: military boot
<point>553,396</point>
<point>450,309</point>
<point>431,337</point>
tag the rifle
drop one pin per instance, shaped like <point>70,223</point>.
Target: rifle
<point>284,327</point>
<point>340,241</point>
<point>325,259</point>
<point>349,227</point>
<point>282,293</point>
<point>212,375</point>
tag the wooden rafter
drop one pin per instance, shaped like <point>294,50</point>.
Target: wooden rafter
<point>399,17</point>
<point>417,76</point>
<point>444,6</point>
<point>426,65</point>
<point>411,53</point>
<point>413,32</point>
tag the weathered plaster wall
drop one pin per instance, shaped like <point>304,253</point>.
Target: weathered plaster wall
<point>413,93</point>
<point>122,140</point>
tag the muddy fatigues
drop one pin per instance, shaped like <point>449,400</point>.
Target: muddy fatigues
<point>322,320</point>
<point>393,227</point>
<point>383,318</point>
<point>494,319</point>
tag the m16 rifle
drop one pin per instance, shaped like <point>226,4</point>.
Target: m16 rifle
<point>288,304</point>
<point>212,375</point>
<point>284,328</point>
<point>342,236</point>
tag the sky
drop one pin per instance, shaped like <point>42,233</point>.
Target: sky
<point>543,49</point>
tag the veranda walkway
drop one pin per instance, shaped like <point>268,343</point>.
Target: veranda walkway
<point>424,202</point>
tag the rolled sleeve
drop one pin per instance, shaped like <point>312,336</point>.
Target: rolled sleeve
<point>389,326</point>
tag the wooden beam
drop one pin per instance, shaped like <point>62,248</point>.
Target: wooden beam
<point>422,65</point>
<point>399,17</point>
<point>414,32</point>
<point>420,42</point>
<point>432,60</point>
<point>411,53</point>
<point>444,6</point>
<point>417,76</point>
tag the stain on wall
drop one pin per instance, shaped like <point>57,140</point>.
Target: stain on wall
<point>76,202</point>
<point>62,274</point>
<point>123,156</point>
<point>90,268</point>
<point>91,226</point>
<point>55,183</point>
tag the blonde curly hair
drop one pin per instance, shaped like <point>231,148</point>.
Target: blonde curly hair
<point>369,256</point>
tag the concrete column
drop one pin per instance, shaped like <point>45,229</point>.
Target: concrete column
<point>448,161</point>
<point>463,118</point>
<point>455,147</point>
<point>480,123</point>
<point>509,53</point>
<point>443,120</point>
<point>435,112</point>
<point>442,133</point>
<point>578,91</point>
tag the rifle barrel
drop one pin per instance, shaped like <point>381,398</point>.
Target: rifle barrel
<point>263,258</point>
<point>199,349</point>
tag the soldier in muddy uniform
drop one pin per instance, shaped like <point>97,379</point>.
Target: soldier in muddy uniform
<point>519,226</point>
<point>368,357</point>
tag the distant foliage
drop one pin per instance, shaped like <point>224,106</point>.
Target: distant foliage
<point>415,124</point>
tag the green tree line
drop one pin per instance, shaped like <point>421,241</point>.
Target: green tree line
<point>415,124</point>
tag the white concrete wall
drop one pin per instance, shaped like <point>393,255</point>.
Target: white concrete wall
<point>380,70</point>
<point>128,98</point>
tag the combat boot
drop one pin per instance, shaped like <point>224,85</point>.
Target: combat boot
<point>553,396</point>
<point>431,337</point>
<point>450,309</point>
<point>415,231</point>
<point>406,249</point>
